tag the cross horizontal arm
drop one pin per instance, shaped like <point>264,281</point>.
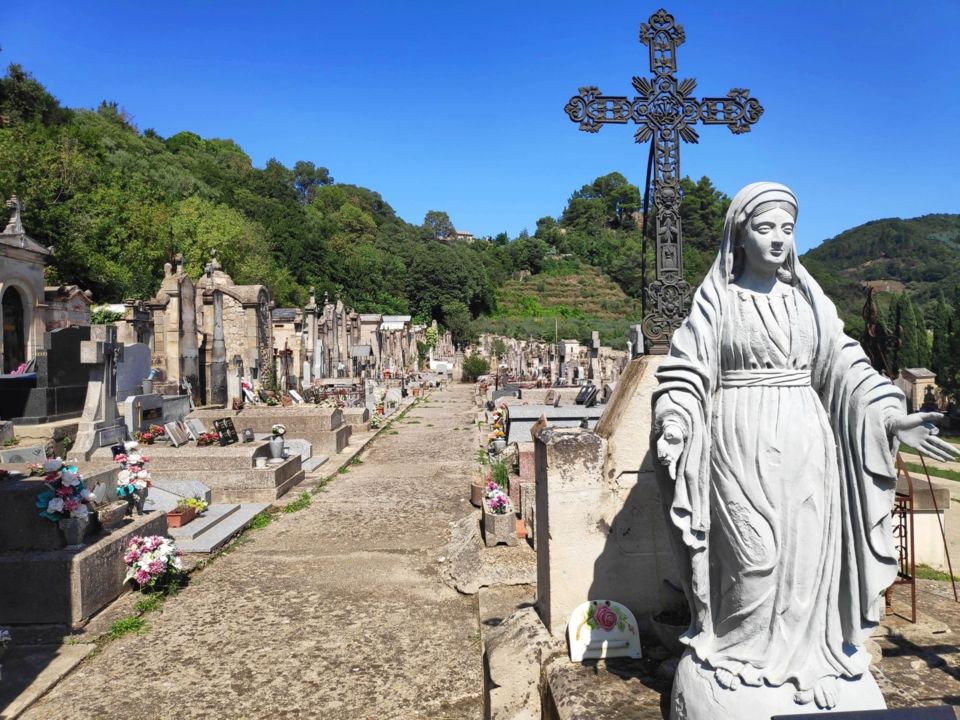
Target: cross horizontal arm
<point>592,110</point>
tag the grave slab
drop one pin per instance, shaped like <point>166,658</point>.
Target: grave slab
<point>228,471</point>
<point>323,428</point>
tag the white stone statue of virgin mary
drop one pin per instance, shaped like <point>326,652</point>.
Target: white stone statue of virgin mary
<point>776,440</point>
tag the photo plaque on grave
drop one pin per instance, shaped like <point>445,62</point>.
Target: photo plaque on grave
<point>226,431</point>
<point>248,435</point>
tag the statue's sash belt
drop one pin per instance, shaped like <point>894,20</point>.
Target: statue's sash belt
<point>765,377</point>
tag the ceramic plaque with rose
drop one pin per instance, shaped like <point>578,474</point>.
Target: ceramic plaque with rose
<point>602,629</point>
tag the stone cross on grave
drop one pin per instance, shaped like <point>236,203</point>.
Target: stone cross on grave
<point>666,113</point>
<point>99,425</point>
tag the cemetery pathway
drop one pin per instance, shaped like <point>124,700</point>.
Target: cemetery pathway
<point>335,611</point>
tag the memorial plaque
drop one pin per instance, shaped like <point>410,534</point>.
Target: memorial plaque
<point>109,435</point>
<point>226,431</point>
<point>177,432</point>
<point>248,435</point>
<point>195,428</point>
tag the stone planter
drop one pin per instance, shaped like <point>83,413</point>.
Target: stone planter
<point>112,514</point>
<point>180,516</point>
<point>73,530</point>
<point>276,447</point>
<point>499,528</point>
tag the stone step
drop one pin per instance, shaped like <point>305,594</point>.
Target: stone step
<point>213,515</point>
<point>217,535</point>
<point>314,462</point>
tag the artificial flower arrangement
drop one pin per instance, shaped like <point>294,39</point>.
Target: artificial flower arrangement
<point>497,500</point>
<point>278,431</point>
<point>207,438</point>
<point>65,496</point>
<point>152,562</point>
<point>146,437</point>
<point>133,477</point>
<point>196,503</point>
<point>376,421</point>
<point>34,469</point>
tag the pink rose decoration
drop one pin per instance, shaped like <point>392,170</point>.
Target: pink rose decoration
<point>605,617</point>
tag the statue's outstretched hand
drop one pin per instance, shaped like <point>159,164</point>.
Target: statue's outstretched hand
<point>670,447</point>
<point>918,430</point>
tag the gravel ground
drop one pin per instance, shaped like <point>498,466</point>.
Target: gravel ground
<point>334,611</point>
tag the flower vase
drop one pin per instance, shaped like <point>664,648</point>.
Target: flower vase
<point>276,447</point>
<point>73,529</point>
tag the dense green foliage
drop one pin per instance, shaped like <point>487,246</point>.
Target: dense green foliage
<point>118,202</point>
<point>474,366</point>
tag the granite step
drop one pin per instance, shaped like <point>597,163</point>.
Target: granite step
<point>214,515</point>
<point>314,462</point>
<point>216,534</point>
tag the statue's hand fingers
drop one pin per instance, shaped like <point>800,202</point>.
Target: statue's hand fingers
<point>936,451</point>
<point>943,445</point>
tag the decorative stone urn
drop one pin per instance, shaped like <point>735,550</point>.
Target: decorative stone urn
<point>73,529</point>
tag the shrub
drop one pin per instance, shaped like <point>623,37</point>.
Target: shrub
<point>474,366</point>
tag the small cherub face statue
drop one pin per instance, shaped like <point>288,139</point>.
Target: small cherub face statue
<point>767,239</point>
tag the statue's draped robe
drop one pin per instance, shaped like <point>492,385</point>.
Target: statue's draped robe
<point>781,506</point>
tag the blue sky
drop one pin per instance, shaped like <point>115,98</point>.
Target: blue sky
<point>458,106</point>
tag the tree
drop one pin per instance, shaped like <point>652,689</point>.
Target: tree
<point>940,360</point>
<point>498,348</point>
<point>439,225</point>
<point>474,366</point>
<point>610,201</point>
<point>307,177</point>
<point>914,350</point>
<point>456,318</point>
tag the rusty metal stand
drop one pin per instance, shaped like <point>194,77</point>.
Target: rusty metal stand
<point>904,538</point>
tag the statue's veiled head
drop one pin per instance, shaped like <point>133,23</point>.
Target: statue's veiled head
<point>759,231</point>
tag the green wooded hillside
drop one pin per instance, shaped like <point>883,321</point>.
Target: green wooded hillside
<point>118,202</point>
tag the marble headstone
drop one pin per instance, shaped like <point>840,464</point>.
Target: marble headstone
<point>132,370</point>
<point>142,411</point>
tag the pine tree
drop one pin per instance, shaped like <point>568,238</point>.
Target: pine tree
<point>940,352</point>
<point>914,350</point>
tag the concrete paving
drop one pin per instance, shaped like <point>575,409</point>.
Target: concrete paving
<point>338,610</point>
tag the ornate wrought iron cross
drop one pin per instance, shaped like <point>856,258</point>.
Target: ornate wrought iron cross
<point>666,113</point>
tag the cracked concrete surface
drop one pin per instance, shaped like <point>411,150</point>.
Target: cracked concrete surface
<point>335,611</point>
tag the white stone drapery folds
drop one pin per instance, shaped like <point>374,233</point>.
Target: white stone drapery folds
<point>855,399</point>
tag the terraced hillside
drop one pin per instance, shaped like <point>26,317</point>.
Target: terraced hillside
<point>568,300</point>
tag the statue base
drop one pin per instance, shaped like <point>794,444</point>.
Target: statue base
<point>697,696</point>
